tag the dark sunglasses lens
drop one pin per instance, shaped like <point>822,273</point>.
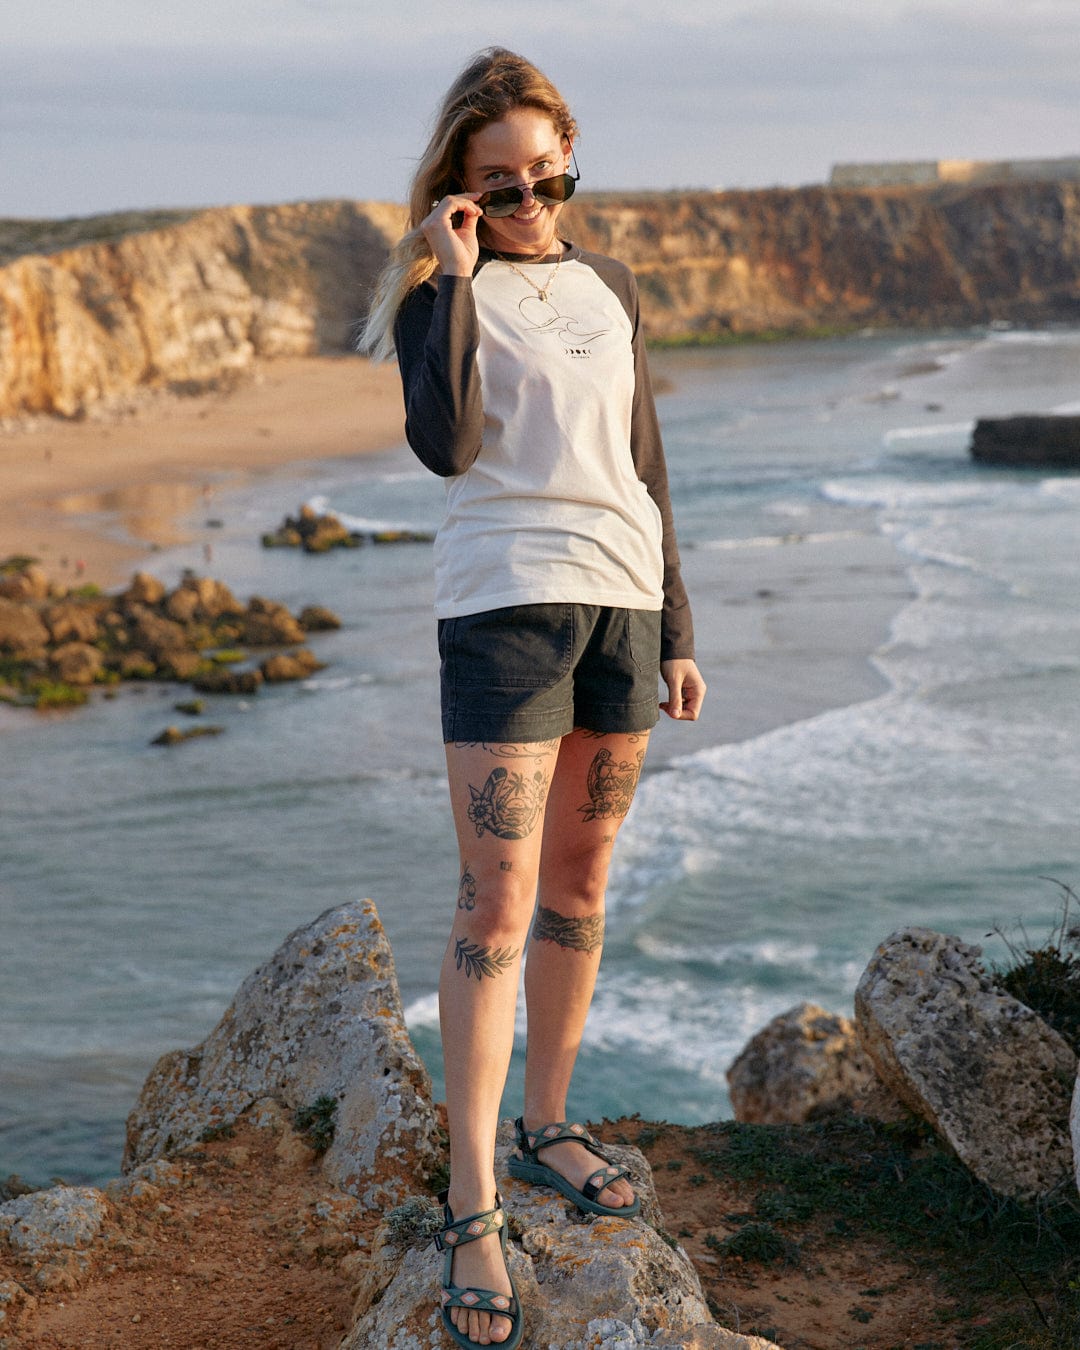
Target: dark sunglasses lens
<point>501,202</point>
<point>548,192</point>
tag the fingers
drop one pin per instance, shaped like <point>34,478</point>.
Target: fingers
<point>686,690</point>
<point>452,212</point>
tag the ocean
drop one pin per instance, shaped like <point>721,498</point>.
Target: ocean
<point>891,636</point>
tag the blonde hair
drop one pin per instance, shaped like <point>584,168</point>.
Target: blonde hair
<point>494,82</point>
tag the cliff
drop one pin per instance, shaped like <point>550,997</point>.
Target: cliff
<point>181,300</point>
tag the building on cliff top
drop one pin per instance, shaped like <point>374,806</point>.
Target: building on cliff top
<point>930,172</point>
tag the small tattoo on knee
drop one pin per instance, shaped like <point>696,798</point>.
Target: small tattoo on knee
<point>584,933</point>
<point>506,866</point>
<point>466,896</point>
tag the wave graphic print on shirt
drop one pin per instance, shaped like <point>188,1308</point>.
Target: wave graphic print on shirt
<point>543,317</point>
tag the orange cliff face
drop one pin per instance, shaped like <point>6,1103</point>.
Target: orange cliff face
<point>183,305</point>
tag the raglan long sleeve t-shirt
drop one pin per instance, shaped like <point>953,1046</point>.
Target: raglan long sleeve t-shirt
<point>539,413</point>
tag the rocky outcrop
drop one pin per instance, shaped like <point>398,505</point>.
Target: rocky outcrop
<point>804,1064</point>
<point>315,533</point>
<point>585,1283</point>
<point>59,643</point>
<point>992,1078</point>
<point>187,303</point>
<point>1028,441</point>
<point>321,1021</point>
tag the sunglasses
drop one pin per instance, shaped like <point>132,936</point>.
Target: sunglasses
<point>548,192</point>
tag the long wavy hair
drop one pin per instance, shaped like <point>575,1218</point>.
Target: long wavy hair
<point>494,82</point>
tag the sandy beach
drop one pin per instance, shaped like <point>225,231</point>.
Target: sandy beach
<point>94,497</point>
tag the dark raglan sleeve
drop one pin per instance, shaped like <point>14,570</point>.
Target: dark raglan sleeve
<point>647,448</point>
<point>436,335</point>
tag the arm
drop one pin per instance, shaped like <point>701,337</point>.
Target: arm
<point>436,336</point>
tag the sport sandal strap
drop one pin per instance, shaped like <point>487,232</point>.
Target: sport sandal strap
<point>602,1178</point>
<point>458,1232</point>
<point>532,1141</point>
<point>479,1300</point>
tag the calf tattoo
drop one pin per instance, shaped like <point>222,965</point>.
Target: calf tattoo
<point>509,804</point>
<point>611,786</point>
<point>466,896</point>
<point>481,961</point>
<point>582,934</point>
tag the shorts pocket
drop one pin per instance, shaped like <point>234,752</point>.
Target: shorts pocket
<point>643,638</point>
<point>517,647</point>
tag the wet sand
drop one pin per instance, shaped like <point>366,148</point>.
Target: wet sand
<point>93,498</point>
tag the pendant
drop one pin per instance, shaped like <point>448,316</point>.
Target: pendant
<point>543,296</point>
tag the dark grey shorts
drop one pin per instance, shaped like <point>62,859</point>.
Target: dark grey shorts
<point>535,672</point>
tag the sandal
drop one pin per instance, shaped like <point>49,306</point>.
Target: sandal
<point>455,1233</point>
<point>525,1164</point>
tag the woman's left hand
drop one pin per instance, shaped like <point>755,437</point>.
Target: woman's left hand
<point>686,689</point>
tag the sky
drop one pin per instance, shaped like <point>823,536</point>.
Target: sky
<point>121,104</point>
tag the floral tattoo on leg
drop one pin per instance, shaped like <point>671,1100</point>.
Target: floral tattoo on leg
<point>509,804</point>
<point>481,961</point>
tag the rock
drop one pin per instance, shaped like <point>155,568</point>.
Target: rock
<point>144,590</point>
<point>135,666</point>
<point>583,1281</point>
<point>202,598</point>
<point>222,680</point>
<point>318,619</point>
<point>805,1063</point>
<point>266,623</point>
<point>77,663</point>
<point>1029,441</point>
<point>44,1221</point>
<point>68,620</point>
<point>156,635</point>
<point>21,630</point>
<point>176,736</point>
<point>28,582</point>
<point>989,1074</point>
<point>1074,1130</point>
<point>296,665</point>
<point>321,1019</point>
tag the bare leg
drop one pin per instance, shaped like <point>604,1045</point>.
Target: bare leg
<point>499,794</point>
<point>590,795</point>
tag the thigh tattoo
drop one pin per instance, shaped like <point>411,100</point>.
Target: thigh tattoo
<point>611,785</point>
<point>509,804</point>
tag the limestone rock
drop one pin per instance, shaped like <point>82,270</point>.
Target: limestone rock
<point>804,1063</point>
<point>77,663</point>
<point>222,680</point>
<point>284,666</point>
<point>144,590</point>
<point>318,619</point>
<point>44,1222</point>
<point>71,621</point>
<point>1074,1130</point>
<point>988,1073</point>
<point>585,1283</point>
<point>21,630</point>
<point>30,582</point>
<point>266,623</point>
<point>321,1018</point>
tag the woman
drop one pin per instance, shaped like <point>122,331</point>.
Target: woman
<point>559,603</point>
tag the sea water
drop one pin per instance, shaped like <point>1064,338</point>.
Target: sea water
<point>891,635</point>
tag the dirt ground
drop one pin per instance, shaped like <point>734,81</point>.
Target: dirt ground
<point>240,1250</point>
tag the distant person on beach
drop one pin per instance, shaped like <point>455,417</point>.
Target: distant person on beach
<point>560,607</point>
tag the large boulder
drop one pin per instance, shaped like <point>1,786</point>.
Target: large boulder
<point>987,1072</point>
<point>1028,441</point>
<point>804,1064</point>
<point>322,1019</point>
<point>585,1283</point>
<point>21,629</point>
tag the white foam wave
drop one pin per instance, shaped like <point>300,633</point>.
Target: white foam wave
<point>781,540</point>
<point>946,431</point>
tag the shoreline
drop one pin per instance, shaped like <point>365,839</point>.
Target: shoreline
<point>93,499</point>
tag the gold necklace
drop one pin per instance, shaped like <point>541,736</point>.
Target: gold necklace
<point>541,291</point>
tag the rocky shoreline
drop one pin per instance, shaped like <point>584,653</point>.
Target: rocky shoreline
<point>291,1156</point>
